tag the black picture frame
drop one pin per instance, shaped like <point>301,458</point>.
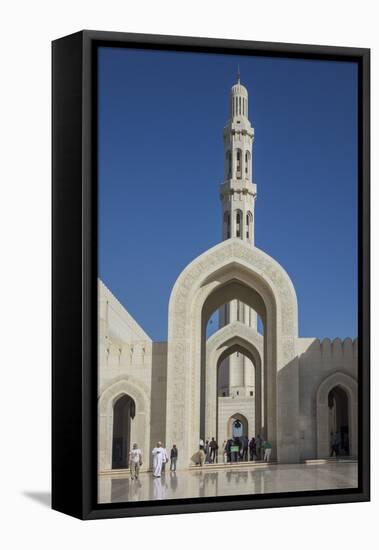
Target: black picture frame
<point>74,272</point>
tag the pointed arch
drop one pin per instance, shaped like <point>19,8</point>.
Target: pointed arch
<point>233,337</point>
<point>232,270</point>
<point>108,397</point>
<point>350,386</point>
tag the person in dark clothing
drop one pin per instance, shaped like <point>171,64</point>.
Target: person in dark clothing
<point>214,447</point>
<point>244,447</point>
<point>173,458</point>
<point>252,448</point>
<point>228,450</point>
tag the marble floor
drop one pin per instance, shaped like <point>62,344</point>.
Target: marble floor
<point>229,481</point>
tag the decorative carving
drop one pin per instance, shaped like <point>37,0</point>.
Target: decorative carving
<point>191,290</point>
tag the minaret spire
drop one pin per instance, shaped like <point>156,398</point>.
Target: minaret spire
<point>238,74</point>
<point>238,192</point>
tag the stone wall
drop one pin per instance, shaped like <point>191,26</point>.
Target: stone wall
<point>319,360</point>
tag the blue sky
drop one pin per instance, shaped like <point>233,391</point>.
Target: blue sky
<point>161,116</point>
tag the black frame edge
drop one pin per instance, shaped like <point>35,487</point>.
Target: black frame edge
<point>67,421</point>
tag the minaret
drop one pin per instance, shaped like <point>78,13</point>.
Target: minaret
<point>238,194</point>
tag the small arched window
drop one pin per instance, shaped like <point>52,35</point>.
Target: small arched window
<point>247,163</point>
<point>249,222</point>
<point>239,224</point>
<point>239,164</point>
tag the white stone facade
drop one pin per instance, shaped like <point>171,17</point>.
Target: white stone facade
<point>292,391</point>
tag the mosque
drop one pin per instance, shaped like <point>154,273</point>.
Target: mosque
<point>254,374</point>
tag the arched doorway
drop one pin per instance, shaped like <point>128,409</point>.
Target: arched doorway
<point>124,410</point>
<point>140,424</point>
<point>247,410</point>
<point>232,271</point>
<point>338,404</point>
<point>238,426</point>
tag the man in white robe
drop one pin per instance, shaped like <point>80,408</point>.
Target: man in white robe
<point>159,456</point>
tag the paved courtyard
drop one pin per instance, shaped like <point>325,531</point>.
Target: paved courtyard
<point>229,481</point>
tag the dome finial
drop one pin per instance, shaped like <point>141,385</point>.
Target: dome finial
<point>238,74</point>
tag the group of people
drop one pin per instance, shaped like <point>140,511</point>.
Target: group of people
<point>207,453</point>
<point>161,458</point>
<point>234,450</point>
<point>243,449</point>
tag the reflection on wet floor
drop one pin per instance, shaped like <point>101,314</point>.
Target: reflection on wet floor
<point>200,483</point>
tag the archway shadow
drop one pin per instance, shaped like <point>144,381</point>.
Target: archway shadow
<point>42,497</point>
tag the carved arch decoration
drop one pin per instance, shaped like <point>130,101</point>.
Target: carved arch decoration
<point>263,285</point>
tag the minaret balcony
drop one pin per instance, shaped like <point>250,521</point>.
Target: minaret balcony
<point>229,187</point>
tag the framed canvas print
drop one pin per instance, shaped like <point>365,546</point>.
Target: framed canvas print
<point>210,274</point>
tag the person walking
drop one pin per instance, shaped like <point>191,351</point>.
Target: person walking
<point>201,456</point>
<point>158,455</point>
<point>252,448</point>
<point>225,451</point>
<point>207,452</point>
<point>258,444</point>
<point>333,444</point>
<point>267,449</point>
<point>214,447</point>
<point>173,458</point>
<point>245,447</point>
<point>165,459</point>
<point>135,461</point>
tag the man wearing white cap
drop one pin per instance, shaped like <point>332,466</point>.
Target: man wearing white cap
<point>159,457</point>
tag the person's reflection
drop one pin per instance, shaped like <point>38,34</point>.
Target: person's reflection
<point>201,484</point>
<point>159,488</point>
<point>135,490</point>
<point>173,481</point>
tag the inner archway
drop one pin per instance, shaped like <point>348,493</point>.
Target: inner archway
<point>231,339</point>
<point>250,298</point>
<point>124,410</point>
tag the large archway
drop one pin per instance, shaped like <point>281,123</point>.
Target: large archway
<point>228,271</point>
<point>343,390</point>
